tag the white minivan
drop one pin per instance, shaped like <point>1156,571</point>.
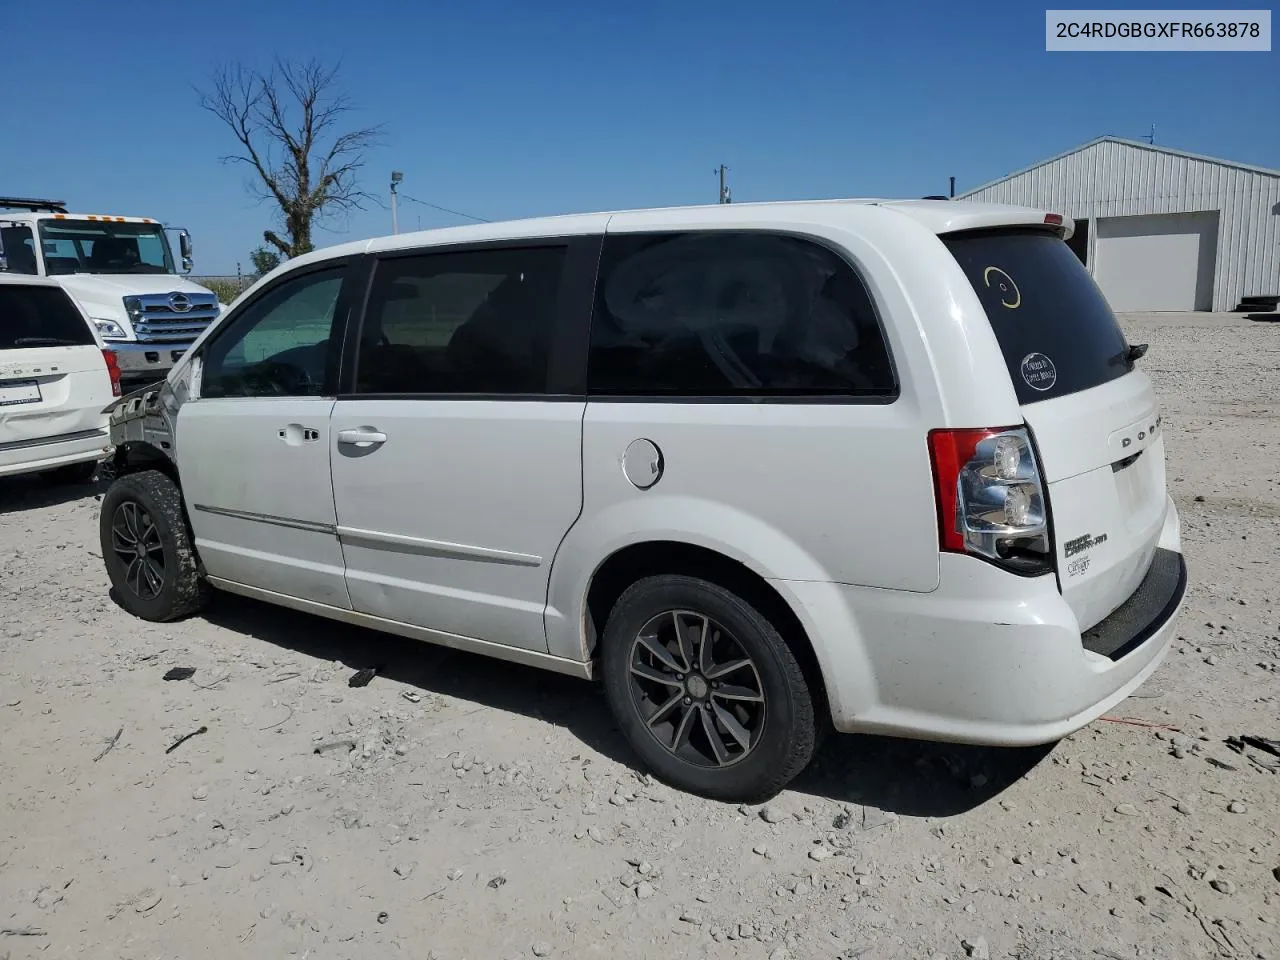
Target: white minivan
<point>888,466</point>
<point>55,380</point>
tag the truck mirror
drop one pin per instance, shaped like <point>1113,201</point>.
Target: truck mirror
<point>184,246</point>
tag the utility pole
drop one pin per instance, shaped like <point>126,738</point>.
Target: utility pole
<point>725,195</point>
<point>953,188</point>
<point>396,177</point>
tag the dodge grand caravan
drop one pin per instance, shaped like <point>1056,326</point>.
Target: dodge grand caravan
<point>55,379</point>
<point>888,466</point>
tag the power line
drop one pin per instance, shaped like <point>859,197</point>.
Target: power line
<point>436,206</point>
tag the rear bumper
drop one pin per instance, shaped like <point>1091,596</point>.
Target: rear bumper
<point>145,359</point>
<point>35,456</point>
<point>992,658</point>
<point>1147,610</point>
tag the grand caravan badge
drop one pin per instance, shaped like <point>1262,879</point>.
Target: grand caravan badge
<point>1038,371</point>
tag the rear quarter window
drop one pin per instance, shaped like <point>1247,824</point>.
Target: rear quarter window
<point>1055,329</point>
<point>723,314</point>
<point>32,316</point>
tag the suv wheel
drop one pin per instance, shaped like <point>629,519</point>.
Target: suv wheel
<point>706,690</point>
<point>147,548</point>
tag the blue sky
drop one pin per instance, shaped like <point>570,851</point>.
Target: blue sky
<point>511,109</point>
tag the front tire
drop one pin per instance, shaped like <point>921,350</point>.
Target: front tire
<point>706,690</point>
<point>148,550</point>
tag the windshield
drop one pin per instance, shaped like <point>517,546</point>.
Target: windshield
<point>1056,331</point>
<point>96,246</point>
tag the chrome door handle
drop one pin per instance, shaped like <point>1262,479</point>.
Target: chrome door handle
<point>361,435</point>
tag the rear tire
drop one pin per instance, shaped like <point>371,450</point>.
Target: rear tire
<point>706,690</point>
<point>72,475</point>
<point>148,550</point>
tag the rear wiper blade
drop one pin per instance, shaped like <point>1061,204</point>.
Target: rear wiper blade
<point>1130,355</point>
<point>43,342</point>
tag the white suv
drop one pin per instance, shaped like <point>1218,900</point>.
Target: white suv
<point>756,466</point>
<point>55,382</point>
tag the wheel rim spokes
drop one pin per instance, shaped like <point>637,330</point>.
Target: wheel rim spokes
<point>718,746</point>
<point>697,689</point>
<point>664,712</point>
<point>683,643</point>
<point>745,694</point>
<point>136,542</point>
<point>646,672</point>
<point>659,652</point>
<point>683,729</point>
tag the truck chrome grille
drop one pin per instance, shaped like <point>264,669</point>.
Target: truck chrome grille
<point>161,323</point>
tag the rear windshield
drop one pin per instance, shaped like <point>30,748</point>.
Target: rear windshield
<point>40,317</point>
<point>1055,328</point>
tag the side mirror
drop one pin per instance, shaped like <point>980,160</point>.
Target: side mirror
<point>184,248</point>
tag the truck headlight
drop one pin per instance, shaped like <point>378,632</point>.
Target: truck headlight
<point>133,306</point>
<point>109,328</point>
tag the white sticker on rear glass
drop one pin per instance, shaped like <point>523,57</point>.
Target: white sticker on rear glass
<point>1010,295</point>
<point>1038,371</point>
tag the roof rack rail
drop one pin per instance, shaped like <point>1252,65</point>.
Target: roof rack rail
<point>28,203</point>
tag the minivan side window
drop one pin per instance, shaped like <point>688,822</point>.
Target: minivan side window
<point>733,314</point>
<point>281,344</point>
<point>461,322</point>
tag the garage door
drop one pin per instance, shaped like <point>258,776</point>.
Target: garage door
<point>1157,262</point>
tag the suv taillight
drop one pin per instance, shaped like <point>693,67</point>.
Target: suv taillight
<point>991,501</point>
<point>113,368</point>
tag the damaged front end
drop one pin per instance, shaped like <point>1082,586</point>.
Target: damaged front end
<point>143,427</point>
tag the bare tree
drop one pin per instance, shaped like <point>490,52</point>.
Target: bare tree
<point>289,123</point>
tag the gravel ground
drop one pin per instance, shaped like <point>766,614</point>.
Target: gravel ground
<point>459,807</point>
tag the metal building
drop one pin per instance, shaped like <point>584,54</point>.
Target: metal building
<point>1159,229</point>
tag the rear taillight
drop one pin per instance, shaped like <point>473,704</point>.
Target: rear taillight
<point>991,501</point>
<point>113,369</point>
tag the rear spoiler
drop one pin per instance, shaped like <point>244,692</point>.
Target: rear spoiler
<point>955,216</point>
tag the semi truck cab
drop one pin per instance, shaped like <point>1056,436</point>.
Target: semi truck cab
<point>122,272</point>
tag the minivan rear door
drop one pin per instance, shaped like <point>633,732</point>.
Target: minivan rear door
<point>1092,413</point>
<point>457,455</point>
<point>54,382</point>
